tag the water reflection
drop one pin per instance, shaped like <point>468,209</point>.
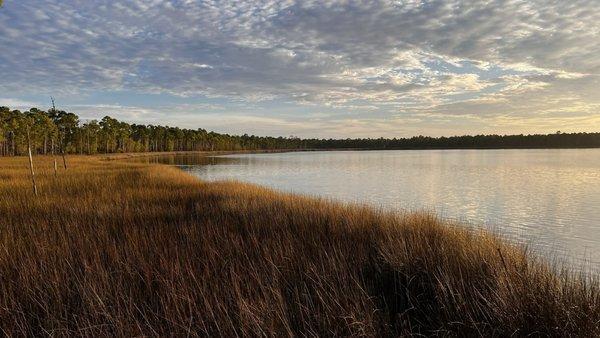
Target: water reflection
<point>548,199</point>
<point>190,159</point>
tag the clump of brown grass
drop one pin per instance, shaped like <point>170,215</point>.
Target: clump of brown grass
<point>116,248</point>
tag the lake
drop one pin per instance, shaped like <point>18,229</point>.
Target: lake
<point>547,199</point>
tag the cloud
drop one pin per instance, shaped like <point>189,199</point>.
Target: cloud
<point>16,103</point>
<point>485,58</point>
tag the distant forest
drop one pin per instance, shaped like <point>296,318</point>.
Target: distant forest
<point>57,131</point>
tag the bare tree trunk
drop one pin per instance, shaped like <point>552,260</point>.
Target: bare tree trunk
<point>35,191</point>
<point>64,159</point>
<point>62,151</point>
<point>14,146</point>
<point>55,168</point>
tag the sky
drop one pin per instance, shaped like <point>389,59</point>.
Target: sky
<point>310,68</point>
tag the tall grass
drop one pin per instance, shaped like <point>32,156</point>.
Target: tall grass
<point>117,248</point>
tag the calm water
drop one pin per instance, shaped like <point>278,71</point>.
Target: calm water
<point>548,199</point>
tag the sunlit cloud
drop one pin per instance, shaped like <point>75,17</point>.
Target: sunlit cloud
<point>281,62</point>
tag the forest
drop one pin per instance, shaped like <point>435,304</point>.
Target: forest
<point>57,131</point>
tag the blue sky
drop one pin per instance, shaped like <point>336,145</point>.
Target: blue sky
<point>310,68</point>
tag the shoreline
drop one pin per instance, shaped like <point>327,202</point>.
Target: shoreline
<point>130,155</point>
<point>119,156</point>
<point>578,261</point>
<point>275,151</point>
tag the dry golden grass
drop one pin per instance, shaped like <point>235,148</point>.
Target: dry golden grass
<point>118,248</point>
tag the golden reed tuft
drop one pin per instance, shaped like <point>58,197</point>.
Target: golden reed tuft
<point>130,249</point>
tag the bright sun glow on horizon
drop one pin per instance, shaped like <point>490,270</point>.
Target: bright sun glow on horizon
<point>310,68</point>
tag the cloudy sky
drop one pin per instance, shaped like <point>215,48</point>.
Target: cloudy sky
<point>310,68</point>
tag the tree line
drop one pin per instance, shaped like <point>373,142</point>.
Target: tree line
<point>57,131</point>
<point>556,140</point>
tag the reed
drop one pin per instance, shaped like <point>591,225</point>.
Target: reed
<point>130,249</point>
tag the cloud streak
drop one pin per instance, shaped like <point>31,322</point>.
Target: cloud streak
<point>385,59</point>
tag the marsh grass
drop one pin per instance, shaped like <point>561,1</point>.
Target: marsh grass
<point>129,249</point>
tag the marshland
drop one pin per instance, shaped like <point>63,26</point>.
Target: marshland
<point>113,247</point>
<point>295,168</point>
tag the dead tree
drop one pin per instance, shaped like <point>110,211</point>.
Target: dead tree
<point>35,191</point>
